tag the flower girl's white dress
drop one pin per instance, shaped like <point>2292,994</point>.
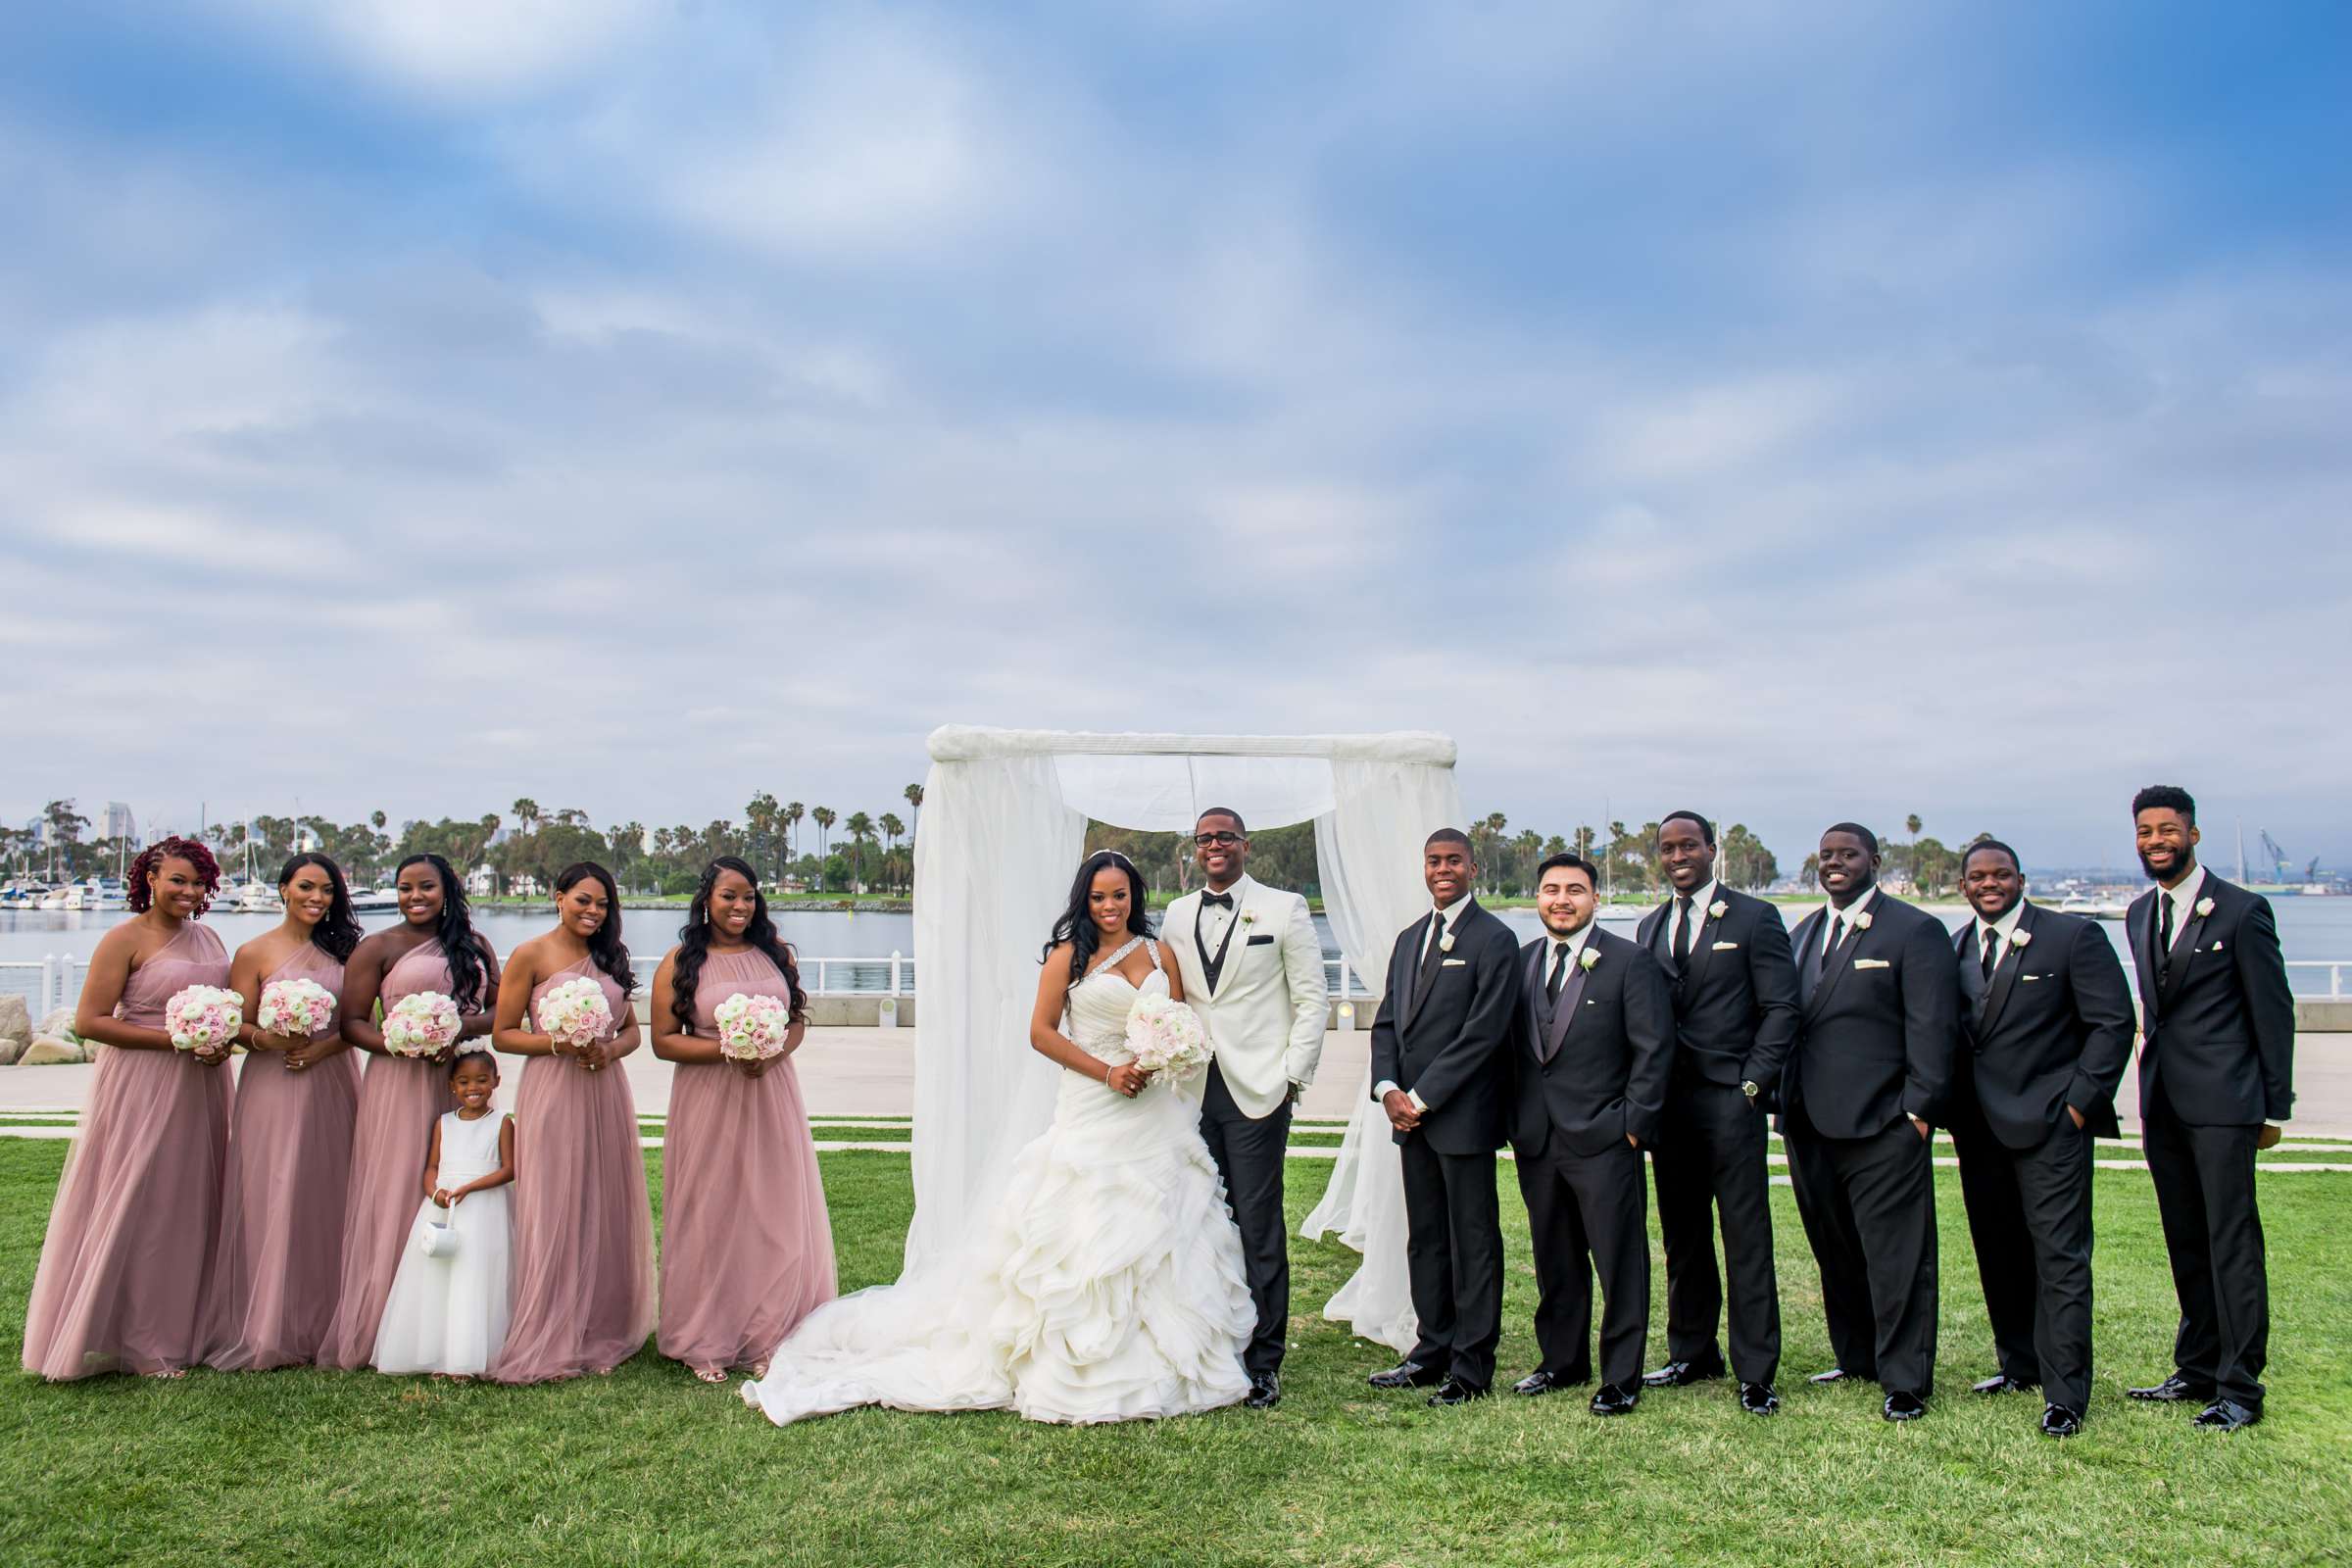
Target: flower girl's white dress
<point>448,1314</point>
<point>1108,1285</point>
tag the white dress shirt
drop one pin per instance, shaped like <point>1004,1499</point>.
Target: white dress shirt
<point>1699,902</point>
<point>1214,920</point>
<point>2184,902</point>
<point>1450,913</point>
<point>1845,919</point>
<point>2000,930</point>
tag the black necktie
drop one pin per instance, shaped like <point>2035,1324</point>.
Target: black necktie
<point>1218,901</point>
<point>1830,945</point>
<point>1429,959</point>
<point>1559,972</point>
<point>2163,937</point>
<point>1682,929</point>
<point>1992,948</point>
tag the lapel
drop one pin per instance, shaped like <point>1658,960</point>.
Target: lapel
<point>1572,1003</point>
<point>1844,959</point>
<point>2012,958</point>
<point>2139,929</point>
<point>1212,966</point>
<point>1416,992</point>
<point>1532,977</point>
<point>1703,947</point>
<point>1802,942</point>
<point>2185,948</point>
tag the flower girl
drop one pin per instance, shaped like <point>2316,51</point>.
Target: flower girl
<point>447,1314</point>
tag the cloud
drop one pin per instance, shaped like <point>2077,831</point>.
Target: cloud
<point>460,49</point>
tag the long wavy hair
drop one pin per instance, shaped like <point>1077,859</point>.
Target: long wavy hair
<point>694,943</point>
<point>606,949</point>
<point>1077,928</point>
<point>462,947</point>
<point>338,930</point>
<point>138,897</point>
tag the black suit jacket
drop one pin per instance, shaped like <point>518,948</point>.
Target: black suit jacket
<point>1877,1031</point>
<point>2221,1029</point>
<point>1607,1074</point>
<point>2052,1029</point>
<point>1447,1045</point>
<point>1734,1002</point>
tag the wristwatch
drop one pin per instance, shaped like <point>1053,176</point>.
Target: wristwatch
<point>1751,1089</point>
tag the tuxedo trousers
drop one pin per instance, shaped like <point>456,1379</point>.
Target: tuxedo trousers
<point>1709,1159</point>
<point>1453,1259</point>
<point>1588,1214</point>
<point>1250,1151</point>
<point>2204,1180</point>
<point>1869,1207</point>
<point>2029,1222</point>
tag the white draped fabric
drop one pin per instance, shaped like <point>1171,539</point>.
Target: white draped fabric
<point>1004,815</point>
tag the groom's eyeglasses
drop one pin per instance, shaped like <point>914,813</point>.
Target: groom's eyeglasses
<point>1216,840</point>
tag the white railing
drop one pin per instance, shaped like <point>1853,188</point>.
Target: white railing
<point>2335,968</point>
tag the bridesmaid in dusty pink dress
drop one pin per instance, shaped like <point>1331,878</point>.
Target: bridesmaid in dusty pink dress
<point>434,947</point>
<point>129,1251</point>
<point>583,1266</point>
<point>281,1263</point>
<point>746,1247</point>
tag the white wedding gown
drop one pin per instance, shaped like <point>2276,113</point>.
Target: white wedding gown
<point>1107,1285</point>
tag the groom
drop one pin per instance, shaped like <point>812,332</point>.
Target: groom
<point>1253,969</point>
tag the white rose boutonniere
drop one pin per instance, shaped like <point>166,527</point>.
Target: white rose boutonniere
<point>2204,907</point>
<point>1249,917</point>
<point>1718,909</point>
<point>1589,958</point>
<point>2020,936</point>
<point>1862,921</point>
<point>1445,943</point>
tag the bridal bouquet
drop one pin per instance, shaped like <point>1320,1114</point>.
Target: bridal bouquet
<point>576,1014</point>
<point>202,1016</point>
<point>1165,1036</point>
<point>421,1023</point>
<point>295,1008</point>
<point>752,1028</point>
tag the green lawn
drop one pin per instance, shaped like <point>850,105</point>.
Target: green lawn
<point>651,1467</point>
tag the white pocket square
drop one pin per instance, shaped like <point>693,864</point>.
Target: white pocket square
<point>2217,947</point>
<point>1727,946</point>
<point>1452,963</point>
<point>1873,963</point>
<point>2033,977</point>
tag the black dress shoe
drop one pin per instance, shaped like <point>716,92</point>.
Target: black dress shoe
<point>1409,1374</point>
<point>1615,1398</point>
<point>1539,1382</point>
<point>2057,1421</point>
<point>1682,1374</point>
<point>1265,1392</point>
<point>2175,1390</point>
<point>1836,1374</point>
<point>2226,1415</point>
<point>1757,1399</point>
<point>1454,1392</point>
<point>2002,1383</point>
<point>1903,1407</point>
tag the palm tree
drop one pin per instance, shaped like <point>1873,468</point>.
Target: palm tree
<point>861,829</point>
<point>824,817</point>
<point>793,813</point>
<point>914,801</point>
<point>762,813</point>
<point>891,828</point>
<point>526,812</point>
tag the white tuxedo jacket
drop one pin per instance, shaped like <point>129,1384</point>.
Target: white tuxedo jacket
<point>1265,1019</point>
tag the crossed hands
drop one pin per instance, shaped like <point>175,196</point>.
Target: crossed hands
<point>1401,1114</point>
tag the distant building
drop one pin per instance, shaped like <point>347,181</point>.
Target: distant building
<point>121,824</point>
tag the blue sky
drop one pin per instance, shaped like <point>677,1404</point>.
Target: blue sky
<point>1798,412</point>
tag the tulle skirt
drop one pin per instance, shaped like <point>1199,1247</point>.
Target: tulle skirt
<point>1108,1285</point>
<point>448,1314</point>
<point>128,1253</point>
<point>281,1266</point>
<point>747,1247</point>
<point>400,1100</point>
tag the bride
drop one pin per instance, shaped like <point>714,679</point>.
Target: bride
<point>1108,1285</point>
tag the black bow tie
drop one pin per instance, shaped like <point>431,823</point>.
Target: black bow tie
<point>1221,900</point>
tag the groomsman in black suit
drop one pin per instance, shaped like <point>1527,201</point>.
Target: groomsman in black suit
<point>1439,1071</point>
<point>2216,1065</point>
<point>1734,984</point>
<point>1878,1021</point>
<point>1593,1048</point>
<point>2046,1020</point>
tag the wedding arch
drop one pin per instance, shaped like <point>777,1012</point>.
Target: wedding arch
<point>1004,814</point>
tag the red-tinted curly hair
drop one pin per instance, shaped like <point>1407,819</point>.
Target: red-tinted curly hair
<point>139,896</point>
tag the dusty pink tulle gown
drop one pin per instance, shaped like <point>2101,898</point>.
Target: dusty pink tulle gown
<point>583,1266</point>
<point>400,1100</point>
<point>281,1266</point>
<point>128,1252</point>
<point>747,1247</point>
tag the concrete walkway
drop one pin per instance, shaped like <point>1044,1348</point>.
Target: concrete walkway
<point>870,1072</point>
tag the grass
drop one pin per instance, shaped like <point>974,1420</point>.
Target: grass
<point>652,1467</point>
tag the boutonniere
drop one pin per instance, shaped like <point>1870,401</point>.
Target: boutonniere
<point>1249,917</point>
<point>1445,943</point>
<point>1589,958</point>
<point>2020,936</point>
<point>1862,921</point>
<point>1718,909</point>
<point>2204,907</point>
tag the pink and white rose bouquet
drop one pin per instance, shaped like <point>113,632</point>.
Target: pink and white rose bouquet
<point>576,1014</point>
<point>420,1024</point>
<point>752,1028</point>
<point>295,1008</point>
<point>203,1017</point>
<point>1165,1035</point>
